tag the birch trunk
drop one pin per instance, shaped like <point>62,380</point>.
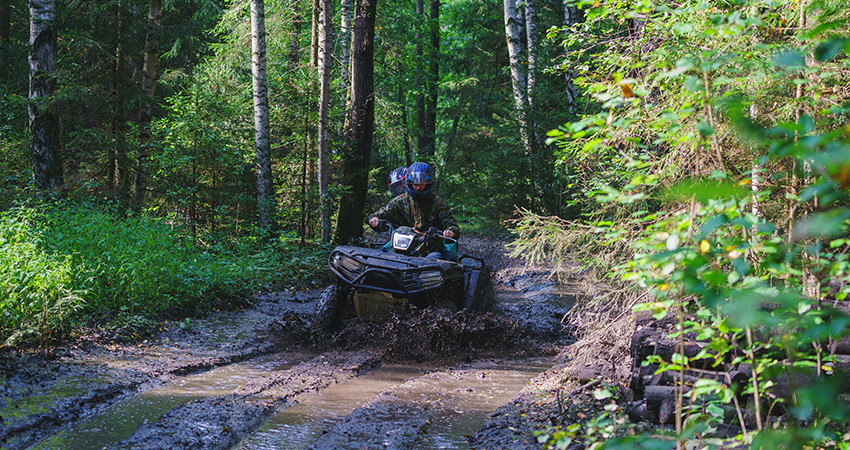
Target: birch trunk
<point>517,76</point>
<point>262,146</point>
<point>345,51</point>
<point>531,44</point>
<point>572,16</point>
<point>140,183</point>
<point>44,152</point>
<point>325,67</point>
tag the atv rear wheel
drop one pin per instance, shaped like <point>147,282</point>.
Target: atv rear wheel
<point>328,310</point>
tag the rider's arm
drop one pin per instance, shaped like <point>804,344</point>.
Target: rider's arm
<point>392,212</point>
<point>447,219</point>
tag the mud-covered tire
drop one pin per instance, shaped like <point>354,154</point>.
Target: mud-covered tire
<point>478,292</point>
<point>328,311</point>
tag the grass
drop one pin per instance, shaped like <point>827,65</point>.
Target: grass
<point>66,266</point>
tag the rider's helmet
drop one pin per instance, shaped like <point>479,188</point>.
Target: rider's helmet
<point>419,173</point>
<point>396,180</point>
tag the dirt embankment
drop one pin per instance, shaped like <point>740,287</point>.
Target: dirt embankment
<point>46,393</point>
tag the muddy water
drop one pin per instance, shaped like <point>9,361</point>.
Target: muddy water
<point>301,425</point>
<point>121,420</point>
<point>458,402</point>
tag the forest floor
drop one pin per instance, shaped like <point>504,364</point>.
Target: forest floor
<point>99,392</point>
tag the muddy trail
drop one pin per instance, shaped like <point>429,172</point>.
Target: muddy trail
<point>252,379</point>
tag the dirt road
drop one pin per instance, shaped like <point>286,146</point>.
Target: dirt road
<point>251,379</point>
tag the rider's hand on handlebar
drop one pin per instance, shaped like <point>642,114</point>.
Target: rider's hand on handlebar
<point>449,234</point>
<point>373,222</point>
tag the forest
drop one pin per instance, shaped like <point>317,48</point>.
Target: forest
<point>160,159</point>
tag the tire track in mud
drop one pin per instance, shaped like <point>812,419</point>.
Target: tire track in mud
<point>218,423</point>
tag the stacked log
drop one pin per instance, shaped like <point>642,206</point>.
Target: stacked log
<point>655,394</point>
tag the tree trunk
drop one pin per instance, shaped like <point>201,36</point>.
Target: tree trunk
<point>325,68</point>
<point>402,101</point>
<point>345,50</point>
<point>358,145</point>
<point>517,76</point>
<point>5,38</point>
<point>118,165</point>
<point>433,80</point>
<point>262,146</point>
<point>314,34</point>
<point>140,184</point>
<point>572,16</point>
<point>294,58</point>
<point>531,45</point>
<point>308,205</point>
<point>421,132</point>
<point>44,151</point>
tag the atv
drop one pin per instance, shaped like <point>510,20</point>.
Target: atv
<point>376,279</point>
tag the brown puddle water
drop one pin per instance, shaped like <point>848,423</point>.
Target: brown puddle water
<point>122,419</point>
<point>460,401</point>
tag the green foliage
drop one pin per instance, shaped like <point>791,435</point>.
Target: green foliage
<point>67,265</point>
<point>723,150</point>
<point>38,295</point>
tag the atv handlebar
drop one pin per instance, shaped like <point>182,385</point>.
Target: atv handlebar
<point>433,232</point>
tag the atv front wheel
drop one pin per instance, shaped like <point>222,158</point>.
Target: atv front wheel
<point>478,291</point>
<point>328,310</point>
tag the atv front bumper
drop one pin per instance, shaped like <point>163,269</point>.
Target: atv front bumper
<point>375,269</point>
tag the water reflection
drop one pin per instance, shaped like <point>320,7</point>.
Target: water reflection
<point>123,418</point>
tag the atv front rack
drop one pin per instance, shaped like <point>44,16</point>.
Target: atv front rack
<point>388,272</point>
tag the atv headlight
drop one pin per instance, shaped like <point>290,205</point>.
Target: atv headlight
<point>430,278</point>
<point>349,266</point>
<point>402,241</point>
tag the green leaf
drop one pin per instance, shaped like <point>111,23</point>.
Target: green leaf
<point>705,128</point>
<point>831,48</point>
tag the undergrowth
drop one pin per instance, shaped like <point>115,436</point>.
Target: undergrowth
<point>66,266</point>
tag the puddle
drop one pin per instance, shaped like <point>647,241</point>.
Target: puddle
<point>301,425</point>
<point>458,403</point>
<point>122,419</point>
<point>557,295</point>
<point>17,407</point>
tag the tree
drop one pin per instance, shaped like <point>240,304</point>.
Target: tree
<point>531,83</point>
<point>433,80</point>
<point>344,43</point>
<point>325,68</point>
<point>358,137</point>
<point>518,81</point>
<point>44,154</point>
<point>295,37</point>
<point>149,74</point>
<point>262,145</point>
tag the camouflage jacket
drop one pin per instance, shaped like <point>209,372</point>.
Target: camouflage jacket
<point>431,211</point>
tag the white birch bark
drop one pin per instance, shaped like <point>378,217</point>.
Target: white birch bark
<point>325,67</point>
<point>46,165</point>
<point>344,53</point>
<point>262,145</point>
<point>517,76</point>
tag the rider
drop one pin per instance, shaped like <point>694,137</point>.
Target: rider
<point>396,180</point>
<point>418,207</point>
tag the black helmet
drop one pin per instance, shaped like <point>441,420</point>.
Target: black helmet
<point>396,180</point>
<point>419,173</point>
